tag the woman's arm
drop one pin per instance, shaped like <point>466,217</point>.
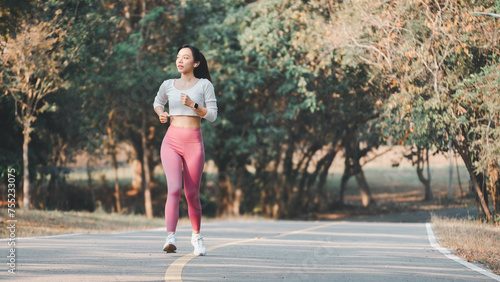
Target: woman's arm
<point>202,111</point>
<point>159,110</point>
<point>159,103</point>
<point>208,113</point>
<point>211,111</point>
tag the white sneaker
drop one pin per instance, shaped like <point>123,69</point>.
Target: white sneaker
<point>169,246</point>
<point>199,245</point>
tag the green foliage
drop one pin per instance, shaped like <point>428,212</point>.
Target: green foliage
<point>293,79</point>
<point>12,13</point>
<point>478,98</point>
<point>12,137</point>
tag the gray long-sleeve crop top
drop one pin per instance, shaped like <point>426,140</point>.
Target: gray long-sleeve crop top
<point>202,93</point>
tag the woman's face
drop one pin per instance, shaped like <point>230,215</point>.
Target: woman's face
<point>185,61</point>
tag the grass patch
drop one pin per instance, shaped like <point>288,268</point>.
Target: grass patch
<point>472,240</point>
<point>42,223</point>
<point>401,184</point>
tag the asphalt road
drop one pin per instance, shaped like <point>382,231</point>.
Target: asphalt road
<point>244,251</point>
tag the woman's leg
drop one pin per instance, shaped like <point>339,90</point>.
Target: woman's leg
<point>172,165</point>
<point>194,161</point>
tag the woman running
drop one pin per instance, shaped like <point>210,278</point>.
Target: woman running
<point>191,98</point>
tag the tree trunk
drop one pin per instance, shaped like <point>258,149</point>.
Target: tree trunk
<point>464,153</point>
<point>137,177</point>
<point>146,184</point>
<point>458,177</point>
<point>364,189</point>
<point>117,185</point>
<point>237,202</point>
<point>112,147</point>
<point>325,164</point>
<point>343,182</point>
<point>493,177</point>
<point>51,201</point>
<point>353,167</point>
<point>496,202</point>
<point>148,205</point>
<point>224,193</point>
<point>26,175</point>
<point>89,181</point>
<point>422,159</point>
<point>306,200</point>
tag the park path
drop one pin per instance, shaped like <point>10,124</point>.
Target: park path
<point>249,251</point>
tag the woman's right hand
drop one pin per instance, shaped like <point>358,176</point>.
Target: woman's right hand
<point>164,117</point>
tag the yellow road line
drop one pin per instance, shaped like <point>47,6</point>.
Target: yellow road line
<point>174,271</point>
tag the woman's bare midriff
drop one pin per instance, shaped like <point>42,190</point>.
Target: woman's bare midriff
<point>190,122</point>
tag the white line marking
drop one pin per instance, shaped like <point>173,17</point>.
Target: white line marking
<point>448,254</point>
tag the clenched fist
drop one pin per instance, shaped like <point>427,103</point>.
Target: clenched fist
<point>186,100</point>
<point>164,117</point>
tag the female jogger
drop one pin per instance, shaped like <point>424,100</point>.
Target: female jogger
<point>191,98</point>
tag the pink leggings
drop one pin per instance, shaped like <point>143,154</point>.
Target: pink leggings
<point>182,151</point>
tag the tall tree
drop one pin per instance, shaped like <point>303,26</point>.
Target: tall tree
<point>30,70</point>
<point>477,106</point>
<point>421,46</point>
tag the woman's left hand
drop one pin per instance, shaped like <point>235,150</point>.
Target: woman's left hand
<point>186,100</point>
